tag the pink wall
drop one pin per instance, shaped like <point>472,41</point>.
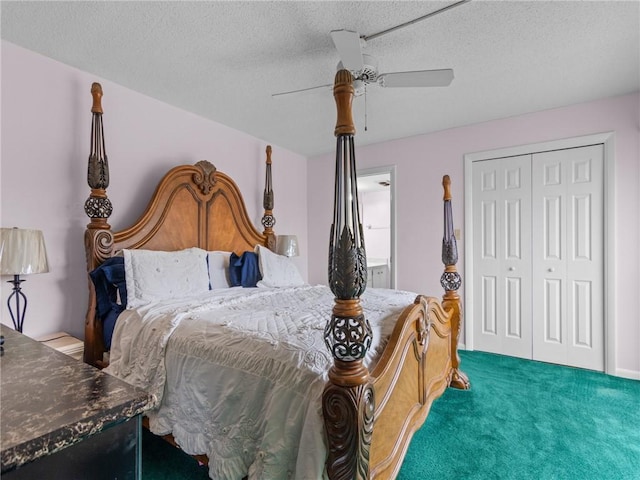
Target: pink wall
<point>422,161</point>
<point>46,121</point>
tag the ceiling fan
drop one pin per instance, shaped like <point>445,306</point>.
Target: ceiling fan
<point>364,67</point>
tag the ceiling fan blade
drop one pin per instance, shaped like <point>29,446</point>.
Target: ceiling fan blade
<point>420,78</point>
<point>302,90</point>
<point>348,45</point>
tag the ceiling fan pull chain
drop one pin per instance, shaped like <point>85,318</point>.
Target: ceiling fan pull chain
<point>365,107</point>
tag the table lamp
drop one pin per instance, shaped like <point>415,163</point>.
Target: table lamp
<point>22,252</point>
<point>287,245</point>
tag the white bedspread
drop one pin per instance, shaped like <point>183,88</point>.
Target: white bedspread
<point>238,373</point>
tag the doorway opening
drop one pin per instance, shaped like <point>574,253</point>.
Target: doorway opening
<point>376,193</point>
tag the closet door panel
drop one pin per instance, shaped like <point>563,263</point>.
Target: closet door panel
<point>568,270</point>
<point>553,312</point>
<point>503,256</point>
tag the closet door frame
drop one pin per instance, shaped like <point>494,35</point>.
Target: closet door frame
<point>607,139</point>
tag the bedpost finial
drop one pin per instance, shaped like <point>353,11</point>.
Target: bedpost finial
<point>268,154</point>
<point>343,93</point>
<point>446,184</point>
<point>96,93</point>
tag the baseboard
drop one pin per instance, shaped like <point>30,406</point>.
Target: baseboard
<point>620,372</point>
<point>630,374</point>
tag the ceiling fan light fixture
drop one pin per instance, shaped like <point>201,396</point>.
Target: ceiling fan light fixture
<point>369,71</point>
<point>368,74</point>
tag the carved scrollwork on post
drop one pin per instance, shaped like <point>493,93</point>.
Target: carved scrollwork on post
<point>347,264</point>
<point>98,172</point>
<point>268,221</point>
<point>348,338</point>
<point>449,250</point>
<point>271,243</point>
<point>205,178</point>
<point>451,280</point>
<point>98,207</point>
<point>340,407</point>
<point>98,245</point>
<point>348,400</point>
<point>267,199</point>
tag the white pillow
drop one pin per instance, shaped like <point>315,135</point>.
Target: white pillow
<point>277,270</point>
<point>152,275</point>
<point>218,263</point>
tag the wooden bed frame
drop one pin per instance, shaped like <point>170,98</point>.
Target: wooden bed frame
<point>370,416</point>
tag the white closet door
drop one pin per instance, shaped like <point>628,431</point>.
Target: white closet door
<point>502,255</point>
<point>568,267</point>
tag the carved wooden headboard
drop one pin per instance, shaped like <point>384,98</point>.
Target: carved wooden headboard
<point>192,206</point>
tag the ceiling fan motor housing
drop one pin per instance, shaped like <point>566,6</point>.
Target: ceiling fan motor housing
<point>369,71</point>
<point>368,74</point>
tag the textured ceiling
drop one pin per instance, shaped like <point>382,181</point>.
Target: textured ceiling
<point>224,60</point>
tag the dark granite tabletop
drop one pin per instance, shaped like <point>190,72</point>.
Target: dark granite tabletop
<point>49,401</point>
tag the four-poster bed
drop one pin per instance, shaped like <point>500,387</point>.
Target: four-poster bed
<point>377,392</point>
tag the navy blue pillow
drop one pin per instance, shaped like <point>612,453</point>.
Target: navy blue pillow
<point>244,270</point>
<point>109,280</point>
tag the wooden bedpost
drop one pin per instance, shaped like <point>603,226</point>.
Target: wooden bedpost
<point>451,282</point>
<point>98,238</point>
<point>268,220</point>
<point>348,398</point>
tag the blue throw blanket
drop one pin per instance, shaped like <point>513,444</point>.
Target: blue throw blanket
<point>109,281</point>
<point>244,269</point>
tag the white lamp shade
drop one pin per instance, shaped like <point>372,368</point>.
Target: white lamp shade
<point>287,245</point>
<point>22,252</point>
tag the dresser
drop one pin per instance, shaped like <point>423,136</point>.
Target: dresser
<point>64,419</point>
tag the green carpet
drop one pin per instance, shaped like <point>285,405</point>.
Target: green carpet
<point>521,420</point>
<point>529,420</point>
<point>161,461</point>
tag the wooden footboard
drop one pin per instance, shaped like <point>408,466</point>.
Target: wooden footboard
<point>415,369</point>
